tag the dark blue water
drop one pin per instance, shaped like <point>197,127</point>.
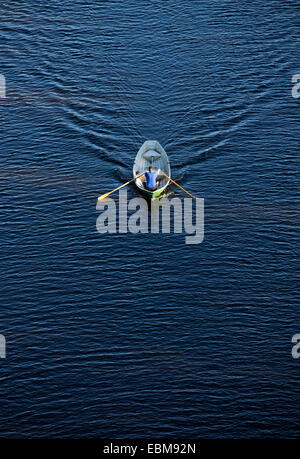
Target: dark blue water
<point>142,335</point>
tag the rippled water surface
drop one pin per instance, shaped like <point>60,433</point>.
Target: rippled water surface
<point>140,335</point>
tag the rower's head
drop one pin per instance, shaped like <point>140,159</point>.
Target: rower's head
<point>151,169</point>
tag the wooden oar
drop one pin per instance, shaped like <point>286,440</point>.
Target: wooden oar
<point>178,185</point>
<point>116,189</point>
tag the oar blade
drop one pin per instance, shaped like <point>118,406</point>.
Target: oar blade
<point>103,196</point>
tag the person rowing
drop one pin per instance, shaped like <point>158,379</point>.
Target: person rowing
<point>151,179</point>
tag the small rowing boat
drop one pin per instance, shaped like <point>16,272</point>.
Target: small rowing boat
<point>151,153</point>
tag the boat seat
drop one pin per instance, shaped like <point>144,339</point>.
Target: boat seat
<point>151,155</point>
